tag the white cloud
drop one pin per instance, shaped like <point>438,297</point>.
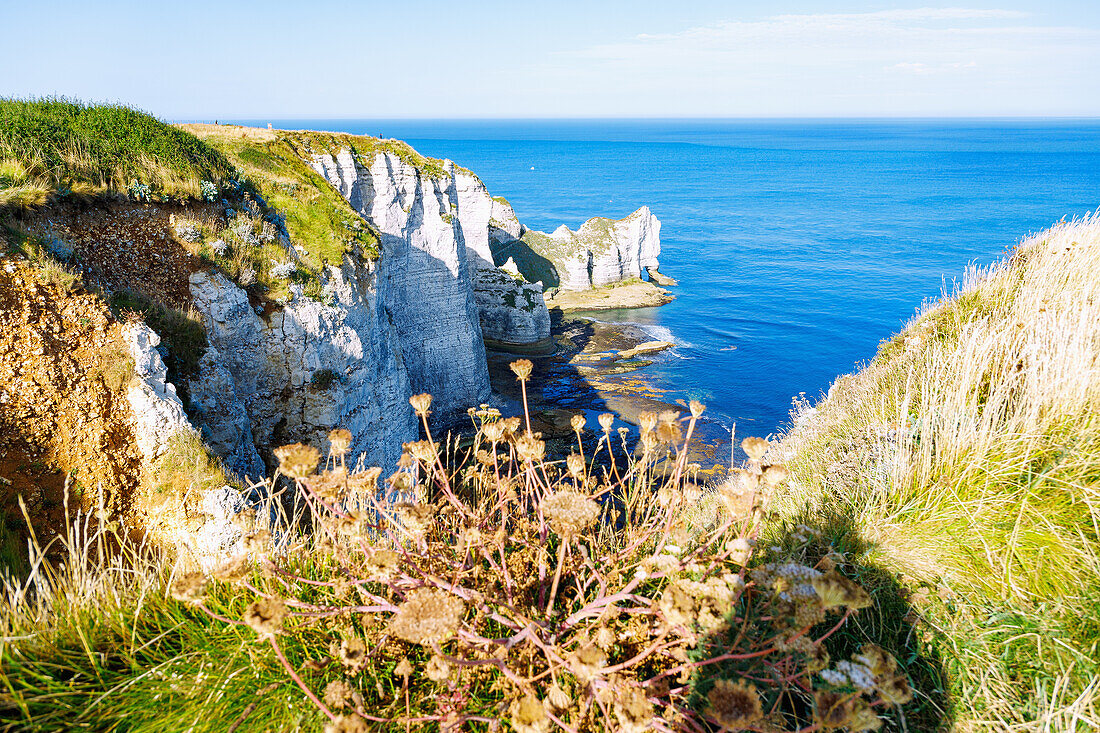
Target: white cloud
<point>904,61</point>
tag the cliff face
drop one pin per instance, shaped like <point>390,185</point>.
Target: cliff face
<point>301,371</point>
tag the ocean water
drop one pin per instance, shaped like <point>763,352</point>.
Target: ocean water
<point>799,245</point>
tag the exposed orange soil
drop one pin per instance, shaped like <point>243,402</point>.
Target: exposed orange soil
<point>58,352</point>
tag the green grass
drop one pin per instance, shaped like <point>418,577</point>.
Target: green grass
<point>57,147</point>
<point>183,334</point>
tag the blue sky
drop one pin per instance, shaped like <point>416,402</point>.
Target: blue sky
<point>321,59</point>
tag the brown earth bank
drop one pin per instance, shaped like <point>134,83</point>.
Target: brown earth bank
<point>64,415</point>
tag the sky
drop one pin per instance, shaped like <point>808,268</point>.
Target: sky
<point>204,60</point>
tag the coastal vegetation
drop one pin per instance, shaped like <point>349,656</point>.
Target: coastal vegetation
<point>960,467</point>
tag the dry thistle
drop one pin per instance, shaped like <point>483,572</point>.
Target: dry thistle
<point>420,403</point>
<point>297,460</point>
<point>427,615</point>
<point>569,513</point>
<point>734,705</point>
<point>522,369</point>
<point>189,588</point>
<point>754,448</point>
<point>265,616</point>
<point>339,442</point>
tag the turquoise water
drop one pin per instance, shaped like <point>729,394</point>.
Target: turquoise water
<point>799,245</point>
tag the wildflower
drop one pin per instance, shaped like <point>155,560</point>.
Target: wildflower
<point>569,513</point>
<point>427,615</point>
<point>437,670</point>
<point>577,422</point>
<point>754,448</point>
<point>338,694</point>
<point>734,705</point>
<point>528,715</point>
<point>575,464</point>
<point>347,724</point>
<point>265,616</point>
<point>606,420</point>
<point>633,709</point>
<point>297,460</point>
<point>775,475</point>
<point>836,591</point>
<point>189,588</point>
<point>522,369</point>
<point>420,403</point>
<point>697,408</point>
<point>530,448</point>
<point>339,441</point>
<point>353,654</point>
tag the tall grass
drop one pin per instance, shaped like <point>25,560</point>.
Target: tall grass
<point>52,147</point>
<point>967,456</point>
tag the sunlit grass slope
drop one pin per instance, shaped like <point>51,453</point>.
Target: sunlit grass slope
<point>966,457</point>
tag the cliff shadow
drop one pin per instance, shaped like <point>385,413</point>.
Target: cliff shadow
<point>533,266</point>
<point>893,622</point>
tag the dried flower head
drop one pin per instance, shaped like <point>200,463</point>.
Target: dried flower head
<point>530,448</point>
<point>353,653</point>
<point>189,588</point>
<point>696,408</point>
<point>588,662</point>
<point>380,565</point>
<point>577,422</point>
<point>404,668</point>
<point>754,448</point>
<point>606,420</point>
<point>734,705</point>
<point>297,460</point>
<point>258,542</point>
<point>569,513</point>
<point>511,425</point>
<point>339,441</point>
<point>427,615</point>
<point>494,431</point>
<point>647,420</point>
<point>437,669</point>
<point>422,450</point>
<point>632,709</point>
<point>558,699</point>
<point>774,475</point>
<point>836,591</point>
<point>338,694</point>
<point>575,464</point>
<point>351,723</point>
<point>522,369</point>
<point>420,403</point>
<point>528,715</point>
<point>265,616</point>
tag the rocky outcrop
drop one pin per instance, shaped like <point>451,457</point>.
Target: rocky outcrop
<point>513,312</point>
<point>303,370</point>
<point>158,410</point>
<point>601,252</point>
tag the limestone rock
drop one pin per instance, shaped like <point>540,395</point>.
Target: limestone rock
<point>158,411</point>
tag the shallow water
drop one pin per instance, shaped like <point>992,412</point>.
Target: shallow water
<point>799,245</point>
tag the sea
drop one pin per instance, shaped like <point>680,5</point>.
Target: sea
<point>798,245</point>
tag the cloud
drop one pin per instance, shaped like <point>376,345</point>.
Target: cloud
<point>899,61</point>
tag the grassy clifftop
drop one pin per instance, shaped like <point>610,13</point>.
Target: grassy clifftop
<point>54,148</point>
<point>965,459</point>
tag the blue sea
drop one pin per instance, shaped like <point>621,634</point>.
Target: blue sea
<point>799,245</point>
